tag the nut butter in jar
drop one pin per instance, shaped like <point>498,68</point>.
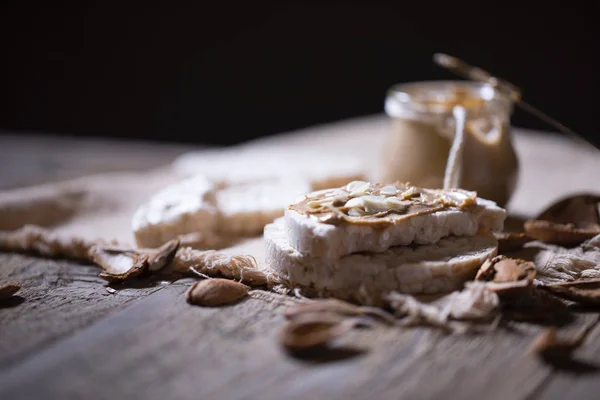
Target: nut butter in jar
<point>423,129</point>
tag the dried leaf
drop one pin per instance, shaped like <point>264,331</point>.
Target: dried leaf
<point>216,292</point>
<point>581,211</point>
<point>161,257</point>
<point>586,292</point>
<point>8,289</point>
<point>313,330</point>
<point>548,345</point>
<point>118,264</point>
<point>338,307</point>
<point>508,241</point>
<point>563,234</point>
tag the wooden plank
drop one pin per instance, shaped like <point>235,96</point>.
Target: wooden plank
<point>577,379</point>
<point>74,339</point>
<point>160,347</point>
<point>56,299</point>
<point>163,348</point>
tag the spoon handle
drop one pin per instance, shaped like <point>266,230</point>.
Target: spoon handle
<point>468,71</point>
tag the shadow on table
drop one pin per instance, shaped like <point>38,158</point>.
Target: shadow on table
<point>11,302</point>
<point>514,223</point>
<point>571,365</point>
<point>326,354</point>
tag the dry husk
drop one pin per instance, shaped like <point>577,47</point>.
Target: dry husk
<point>567,222</point>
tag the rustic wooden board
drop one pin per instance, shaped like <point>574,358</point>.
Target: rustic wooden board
<point>66,336</point>
<point>580,379</point>
<point>160,347</point>
<point>57,298</point>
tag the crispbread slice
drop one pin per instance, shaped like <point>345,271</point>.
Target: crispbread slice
<point>245,209</point>
<point>184,207</point>
<point>434,268</point>
<point>212,215</point>
<point>324,240</point>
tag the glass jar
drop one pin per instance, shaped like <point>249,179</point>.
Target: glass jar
<point>423,129</point>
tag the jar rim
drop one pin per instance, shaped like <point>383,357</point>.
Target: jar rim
<point>421,96</point>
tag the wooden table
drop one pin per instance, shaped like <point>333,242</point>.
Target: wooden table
<point>66,336</point>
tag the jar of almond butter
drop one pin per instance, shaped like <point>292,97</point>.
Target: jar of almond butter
<point>423,128</point>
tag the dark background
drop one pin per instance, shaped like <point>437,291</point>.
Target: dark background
<point>226,72</point>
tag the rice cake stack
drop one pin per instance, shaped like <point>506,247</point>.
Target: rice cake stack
<point>365,239</point>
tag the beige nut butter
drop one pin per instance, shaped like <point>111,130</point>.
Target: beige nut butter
<point>365,203</point>
<point>422,129</point>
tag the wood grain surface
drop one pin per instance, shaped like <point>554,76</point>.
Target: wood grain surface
<point>66,336</point>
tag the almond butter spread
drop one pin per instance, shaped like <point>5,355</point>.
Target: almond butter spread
<point>362,202</point>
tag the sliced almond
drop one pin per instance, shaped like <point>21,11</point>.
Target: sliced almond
<point>397,205</point>
<point>356,202</point>
<point>408,193</point>
<point>375,204</point>
<point>8,289</point>
<point>562,234</point>
<point>389,190</point>
<point>340,198</point>
<point>458,198</point>
<point>216,292</point>
<point>358,188</point>
<point>356,212</point>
